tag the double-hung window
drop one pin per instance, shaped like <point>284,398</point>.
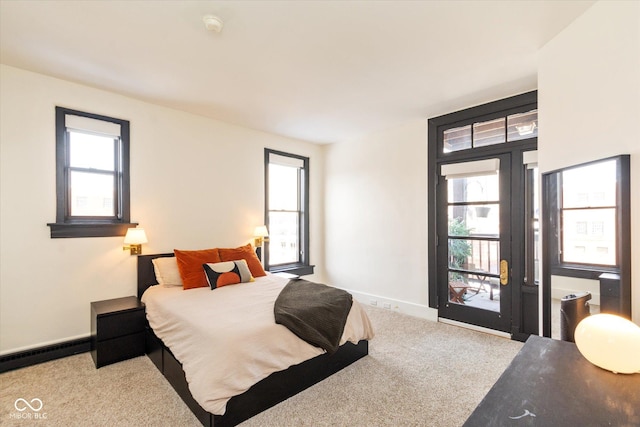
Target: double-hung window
<point>92,175</point>
<point>588,224</point>
<point>588,218</point>
<point>287,212</point>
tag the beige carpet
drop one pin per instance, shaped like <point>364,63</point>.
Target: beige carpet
<point>418,373</point>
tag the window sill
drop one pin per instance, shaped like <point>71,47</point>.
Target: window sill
<point>71,230</point>
<point>297,269</point>
<point>581,272</point>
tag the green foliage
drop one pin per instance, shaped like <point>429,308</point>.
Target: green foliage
<point>459,250</point>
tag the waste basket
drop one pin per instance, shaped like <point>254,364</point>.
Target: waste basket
<point>573,308</point>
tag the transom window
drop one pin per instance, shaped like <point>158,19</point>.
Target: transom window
<point>514,127</point>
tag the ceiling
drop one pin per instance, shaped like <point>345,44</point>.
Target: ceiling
<point>320,71</point>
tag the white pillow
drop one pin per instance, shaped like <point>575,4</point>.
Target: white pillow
<point>167,273</point>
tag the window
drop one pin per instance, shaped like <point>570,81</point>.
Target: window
<point>510,128</point>
<point>590,213</point>
<point>286,212</point>
<point>598,194</point>
<point>587,228</point>
<point>92,175</point>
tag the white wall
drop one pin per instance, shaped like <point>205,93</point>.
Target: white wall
<point>195,183</point>
<point>375,201</point>
<point>375,217</point>
<point>589,101</point>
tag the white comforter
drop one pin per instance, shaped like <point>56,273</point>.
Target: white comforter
<point>227,339</point>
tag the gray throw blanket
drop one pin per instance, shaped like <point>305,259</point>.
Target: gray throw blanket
<point>314,312</point>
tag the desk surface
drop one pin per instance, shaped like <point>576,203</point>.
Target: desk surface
<point>549,383</point>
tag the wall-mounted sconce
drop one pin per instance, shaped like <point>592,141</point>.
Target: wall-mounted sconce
<point>134,239</point>
<point>261,235</point>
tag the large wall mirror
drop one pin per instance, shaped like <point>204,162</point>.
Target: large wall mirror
<point>587,242</point>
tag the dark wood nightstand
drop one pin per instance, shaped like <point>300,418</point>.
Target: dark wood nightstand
<point>117,330</point>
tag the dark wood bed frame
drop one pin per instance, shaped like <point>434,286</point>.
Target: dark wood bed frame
<point>272,390</point>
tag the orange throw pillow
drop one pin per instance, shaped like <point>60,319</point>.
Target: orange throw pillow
<point>190,266</point>
<point>246,253</point>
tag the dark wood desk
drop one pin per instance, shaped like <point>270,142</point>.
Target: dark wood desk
<point>549,383</point>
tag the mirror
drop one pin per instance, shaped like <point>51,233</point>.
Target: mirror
<point>586,244</point>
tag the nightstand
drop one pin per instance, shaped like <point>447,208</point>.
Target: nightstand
<point>117,330</point>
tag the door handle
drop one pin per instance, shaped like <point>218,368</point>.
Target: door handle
<point>504,272</point>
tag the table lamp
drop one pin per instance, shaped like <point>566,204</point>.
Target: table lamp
<point>610,342</point>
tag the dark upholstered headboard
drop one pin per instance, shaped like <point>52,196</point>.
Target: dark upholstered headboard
<point>146,275</point>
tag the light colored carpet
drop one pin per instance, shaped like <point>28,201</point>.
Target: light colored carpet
<point>418,373</point>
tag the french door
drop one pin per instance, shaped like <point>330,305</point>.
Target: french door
<point>474,248</point>
<point>483,215</point>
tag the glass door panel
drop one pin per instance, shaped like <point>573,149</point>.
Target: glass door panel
<point>483,255</point>
<point>474,242</point>
<point>474,189</point>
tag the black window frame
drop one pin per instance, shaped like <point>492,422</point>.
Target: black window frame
<point>302,266</point>
<point>553,203</point>
<point>517,104</point>
<point>532,218</point>
<point>616,280</point>
<point>67,226</point>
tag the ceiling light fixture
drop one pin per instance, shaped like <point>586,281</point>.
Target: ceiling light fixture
<point>212,23</point>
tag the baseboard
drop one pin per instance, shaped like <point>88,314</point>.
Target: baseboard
<point>412,309</point>
<point>22,359</point>
<point>475,328</point>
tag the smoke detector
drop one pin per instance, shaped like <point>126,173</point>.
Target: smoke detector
<point>212,23</point>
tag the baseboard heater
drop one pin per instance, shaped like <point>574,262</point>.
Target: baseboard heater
<point>34,356</point>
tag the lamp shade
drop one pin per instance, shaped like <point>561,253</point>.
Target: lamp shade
<point>610,342</point>
<point>135,236</point>
<point>261,231</point>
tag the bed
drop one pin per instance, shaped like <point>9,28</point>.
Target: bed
<point>262,395</point>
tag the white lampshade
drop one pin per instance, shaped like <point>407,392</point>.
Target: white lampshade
<point>135,236</point>
<point>261,231</point>
<point>610,342</point>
